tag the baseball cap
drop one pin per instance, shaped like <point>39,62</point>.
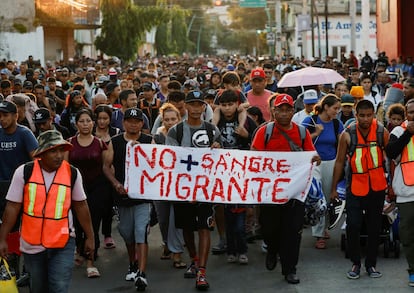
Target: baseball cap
<point>112,71</point>
<point>28,84</point>
<point>210,93</point>
<point>194,96</point>
<point>191,84</point>
<point>283,99</point>
<point>133,113</point>
<point>230,67</point>
<point>41,115</point>
<point>8,107</point>
<point>148,85</point>
<point>310,97</point>
<point>17,81</point>
<point>4,71</point>
<point>102,79</point>
<point>258,73</point>
<point>347,100</point>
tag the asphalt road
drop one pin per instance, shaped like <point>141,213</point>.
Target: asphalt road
<point>319,271</point>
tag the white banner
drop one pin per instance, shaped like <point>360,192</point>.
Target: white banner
<point>158,172</point>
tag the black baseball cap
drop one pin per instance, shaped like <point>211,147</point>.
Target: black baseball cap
<point>28,84</point>
<point>41,115</point>
<point>133,113</point>
<point>194,96</point>
<point>8,107</point>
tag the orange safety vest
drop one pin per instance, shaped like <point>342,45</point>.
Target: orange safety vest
<point>367,164</point>
<point>407,160</point>
<point>45,213</point>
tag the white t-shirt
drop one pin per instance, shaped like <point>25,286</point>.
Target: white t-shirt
<point>15,194</point>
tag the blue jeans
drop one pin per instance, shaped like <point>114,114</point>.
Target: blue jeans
<point>235,232</point>
<point>51,270</point>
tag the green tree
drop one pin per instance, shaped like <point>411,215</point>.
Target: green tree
<point>124,25</point>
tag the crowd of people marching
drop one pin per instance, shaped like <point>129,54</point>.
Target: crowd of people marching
<point>86,111</point>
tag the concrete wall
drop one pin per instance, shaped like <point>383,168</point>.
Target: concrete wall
<point>17,46</point>
<point>21,12</point>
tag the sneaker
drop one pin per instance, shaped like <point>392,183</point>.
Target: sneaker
<point>201,281</point>
<point>231,258</point>
<point>354,272</point>
<point>23,280</point>
<point>220,247</point>
<point>243,259</point>
<point>191,271</point>
<point>141,281</point>
<point>411,280</point>
<point>132,272</point>
<point>264,247</point>
<point>373,273</point>
<point>335,211</point>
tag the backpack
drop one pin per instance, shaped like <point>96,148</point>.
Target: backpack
<point>354,137</point>
<point>208,126</point>
<point>28,170</point>
<point>293,146</point>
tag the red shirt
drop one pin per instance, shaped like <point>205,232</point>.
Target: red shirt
<point>278,142</point>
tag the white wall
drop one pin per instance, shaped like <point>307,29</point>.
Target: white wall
<point>339,34</point>
<point>17,46</point>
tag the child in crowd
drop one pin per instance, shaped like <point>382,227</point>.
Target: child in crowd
<point>235,136</point>
<point>395,116</point>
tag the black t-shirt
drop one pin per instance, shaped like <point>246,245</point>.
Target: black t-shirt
<point>230,139</point>
<point>119,145</point>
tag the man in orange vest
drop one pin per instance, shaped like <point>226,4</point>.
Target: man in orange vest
<point>366,185</point>
<point>46,191</point>
<point>401,150</point>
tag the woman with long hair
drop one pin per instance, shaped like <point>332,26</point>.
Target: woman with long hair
<point>325,129</point>
<point>105,131</point>
<point>87,155</point>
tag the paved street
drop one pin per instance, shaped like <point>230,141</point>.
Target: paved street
<point>319,271</point>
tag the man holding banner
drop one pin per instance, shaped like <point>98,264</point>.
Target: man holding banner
<point>195,216</point>
<point>282,223</point>
<point>134,214</point>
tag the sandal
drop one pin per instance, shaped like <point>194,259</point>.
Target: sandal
<point>166,253</point>
<point>320,243</point>
<point>92,272</point>
<point>79,260</point>
<point>179,264</point>
<point>109,243</point>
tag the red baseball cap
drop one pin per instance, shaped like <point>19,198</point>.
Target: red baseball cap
<point>258,73</point>
<point>283,99</point>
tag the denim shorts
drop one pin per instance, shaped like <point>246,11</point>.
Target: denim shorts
<point>134,223</point>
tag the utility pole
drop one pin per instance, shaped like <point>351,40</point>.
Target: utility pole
<point>352,14</point>
<point>278,18</point>
<point>365,25</point>
<point>304,33</point>
<point>312,25</point>
<point>326,30</point>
